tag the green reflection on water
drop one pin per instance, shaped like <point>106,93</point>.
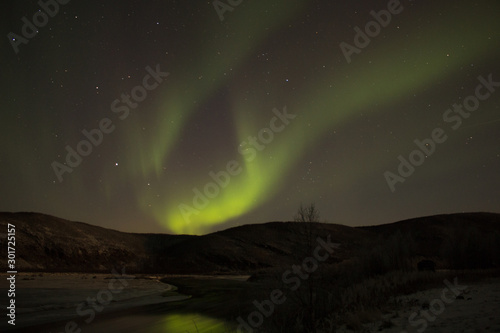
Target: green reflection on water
<point>192,323</point>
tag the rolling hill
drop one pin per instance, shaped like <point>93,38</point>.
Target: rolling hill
<point>47,243</point>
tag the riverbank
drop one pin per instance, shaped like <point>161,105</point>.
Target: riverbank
<point>46,298</point>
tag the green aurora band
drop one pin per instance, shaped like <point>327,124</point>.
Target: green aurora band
<point>357,87</point>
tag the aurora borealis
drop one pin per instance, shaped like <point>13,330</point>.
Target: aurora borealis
<point>210,120</point>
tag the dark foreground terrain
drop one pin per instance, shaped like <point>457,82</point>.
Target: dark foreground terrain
<point>273,277</point>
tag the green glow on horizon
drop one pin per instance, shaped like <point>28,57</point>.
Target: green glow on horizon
<point>258,181</point>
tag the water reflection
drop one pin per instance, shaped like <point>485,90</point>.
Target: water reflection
<point>192,323</point>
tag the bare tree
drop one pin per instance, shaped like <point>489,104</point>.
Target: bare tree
<point>308,215</point>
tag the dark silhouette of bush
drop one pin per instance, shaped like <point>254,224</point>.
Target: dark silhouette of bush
<point>471,248</point>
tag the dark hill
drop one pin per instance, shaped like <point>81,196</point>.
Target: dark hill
<point>47,243</point>
<point>251,247</point>
<point>462,240</point>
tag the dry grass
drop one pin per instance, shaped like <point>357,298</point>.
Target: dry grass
<point>366,301</point>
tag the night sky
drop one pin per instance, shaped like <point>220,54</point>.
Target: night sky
<point>192,124</point>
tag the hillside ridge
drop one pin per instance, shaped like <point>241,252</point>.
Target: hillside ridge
<point>48,243</point>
